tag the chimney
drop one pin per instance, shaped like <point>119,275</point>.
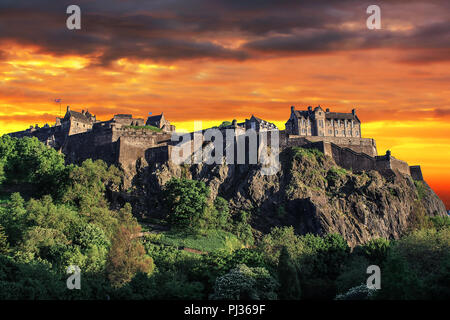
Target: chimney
<point>292,108</point>
<point>309,108</point>
<point>68,108</point>
<point>353,111</point>
<point>234,123</point>
<point>328,110</point>
<point>82,111</point>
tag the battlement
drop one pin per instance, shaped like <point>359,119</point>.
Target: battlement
<point>124,140</point>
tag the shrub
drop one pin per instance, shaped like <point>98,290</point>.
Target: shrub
<point>357,293</point>
<point>244,283</point>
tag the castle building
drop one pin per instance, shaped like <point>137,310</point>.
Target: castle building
<point>323,123</point>
<point>126,141</point>
<point>76,122</point>
<point>160,122</point>
<point>259,124</point>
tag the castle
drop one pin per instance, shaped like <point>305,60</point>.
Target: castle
<point>127,141</point>
<point>322,123</point>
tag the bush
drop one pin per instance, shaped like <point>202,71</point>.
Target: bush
<point>357,293</point>
<point>375,251</point>
<point>244,283</point>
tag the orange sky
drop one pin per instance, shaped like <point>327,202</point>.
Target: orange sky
<point>402,95</point>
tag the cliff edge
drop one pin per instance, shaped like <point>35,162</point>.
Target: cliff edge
<point>310,192</point>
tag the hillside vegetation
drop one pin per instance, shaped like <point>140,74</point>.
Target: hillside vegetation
<point>221,233</point>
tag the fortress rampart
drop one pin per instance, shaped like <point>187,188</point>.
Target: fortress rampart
<point>125,141</point>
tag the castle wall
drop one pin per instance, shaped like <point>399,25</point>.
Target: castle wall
<point>95,145</point>
<point>53,136</point>
<point>135,145</point>
<point>351,160</point>
<point>77,127</point>
<point>416,173</point>
<point>360,145</point>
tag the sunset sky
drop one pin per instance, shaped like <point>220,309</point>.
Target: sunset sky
<point>228,59</point>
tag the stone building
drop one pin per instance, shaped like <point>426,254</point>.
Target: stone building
<point>75,122</point>
<point>127,142</point>
<point>160,122</point>
<point>323,123</point>
<point>259,124</point>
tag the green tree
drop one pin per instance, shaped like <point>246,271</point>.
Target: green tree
<point>321,262</point>
<point>223,212</point>
<point>33,163</point>
<point>375,251</point>
<point>4,245</point>
<point>14,218</point>
<point>127,254</point>
<point>418,266</point>
<point>279,238</point>
<point>186,201</point>
<point>7,150</point>
<point>88,184</point>
<point>225,124</point>
<point>287,276</point>
<point>243,229</point>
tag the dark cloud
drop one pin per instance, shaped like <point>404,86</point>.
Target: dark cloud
<point>442,112</point>
<point>193,29</point>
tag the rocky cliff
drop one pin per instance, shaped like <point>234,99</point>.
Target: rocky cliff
<point>310,192</point>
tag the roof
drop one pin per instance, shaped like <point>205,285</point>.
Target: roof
<point>256,119</point>
<point>154,118</point>
<point>341,116</point>
<point>328,115</point>
<point>78,116</point>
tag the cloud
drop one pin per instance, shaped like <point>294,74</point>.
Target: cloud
<point>198,29</point>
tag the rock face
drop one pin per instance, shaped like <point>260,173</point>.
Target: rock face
<point>310,192</point>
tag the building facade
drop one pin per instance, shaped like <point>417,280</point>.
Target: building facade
<point>323,123</point>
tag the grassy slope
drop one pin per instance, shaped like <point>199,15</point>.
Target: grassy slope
<point>213,240</point>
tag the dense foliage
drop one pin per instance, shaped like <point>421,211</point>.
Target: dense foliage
<point>54,215</point>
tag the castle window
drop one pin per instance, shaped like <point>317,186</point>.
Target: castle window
<point>303,130</point>
<point>321,123</point>
<point>336,132</point>
<point>330,131</point>
<point>339,123</point>
<point>353,124</point>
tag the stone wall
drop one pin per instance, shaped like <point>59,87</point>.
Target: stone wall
<point>349,159</point>
<point>96,144</point>
<point>416,173</point>
<point>360,145</point>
